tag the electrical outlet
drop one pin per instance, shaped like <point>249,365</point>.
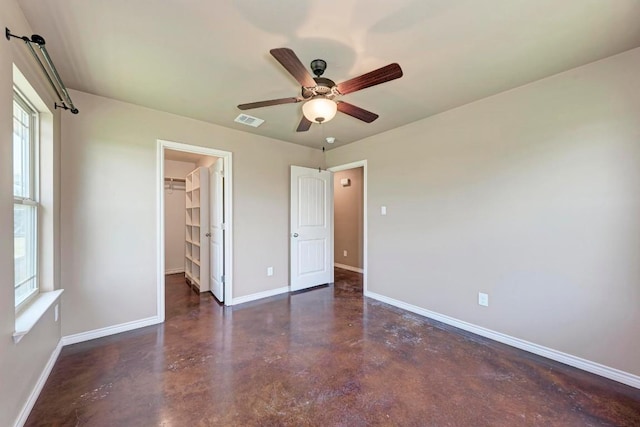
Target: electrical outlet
<point>483,299</point>
<point>345,253</point>
<point>383,210</point>
<point>269,271</point>
<point>56,313</point>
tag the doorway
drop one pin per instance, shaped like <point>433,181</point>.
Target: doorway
<point>216,162</point>
<point>350,218</point>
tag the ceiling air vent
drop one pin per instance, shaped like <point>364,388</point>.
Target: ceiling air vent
<point>248,120</point>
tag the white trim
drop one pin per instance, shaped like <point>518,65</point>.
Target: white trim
<point>174,270</point>
<point>27,318</point>
<point>160,231</point>
<point>37,388</point>
<point>227,158</point>
<point>260,295</point>
<point>348,267</point>
<point>568,359</point>
<point>110,330</point>
<point>365,221</point>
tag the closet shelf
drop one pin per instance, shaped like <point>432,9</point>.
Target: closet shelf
<point>196,225</point>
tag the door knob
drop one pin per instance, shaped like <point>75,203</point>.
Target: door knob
<point>295,234</point>
<point>208,234</point>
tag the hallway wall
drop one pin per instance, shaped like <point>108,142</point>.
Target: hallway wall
<point>348,217</point>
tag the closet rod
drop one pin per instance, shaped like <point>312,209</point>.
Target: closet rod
<point>175,179</point>
<point>51,73</point>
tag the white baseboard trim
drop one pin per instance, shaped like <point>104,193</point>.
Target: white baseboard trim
<point>28,406</point>
<point>348,267</point>
<point>259,295</point>
<point>174,270</point>
<point>110,330</point>
<point>568,359</point>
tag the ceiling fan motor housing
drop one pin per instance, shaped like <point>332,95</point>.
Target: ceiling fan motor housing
<point>324,87</point>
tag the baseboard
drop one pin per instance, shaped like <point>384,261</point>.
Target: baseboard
<point>174,270</point>
<point>110,330</point>
<point>348,267</point>
<point>259,295</point>
<point>31,400</point>
<point>568,359</point>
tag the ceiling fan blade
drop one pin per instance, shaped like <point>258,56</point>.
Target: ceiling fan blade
<point>372,78</point>
<point>268,103</point>
<point>357,112</point>
<point>289,60</point>
<point>304,125</point>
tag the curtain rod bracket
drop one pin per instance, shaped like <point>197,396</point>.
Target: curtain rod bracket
<point>8,35</point>
<point>64,107</point>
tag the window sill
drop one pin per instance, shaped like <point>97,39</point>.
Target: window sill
<point>26,319</point>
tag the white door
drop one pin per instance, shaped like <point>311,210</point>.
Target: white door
<point>216,229</point>
<point>311,231</point>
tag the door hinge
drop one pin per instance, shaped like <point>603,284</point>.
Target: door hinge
<point>223,226</point>
<point>223,278</point>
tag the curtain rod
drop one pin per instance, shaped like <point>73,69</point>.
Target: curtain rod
<point>51,73</point>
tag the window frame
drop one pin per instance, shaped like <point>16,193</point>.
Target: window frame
<point>33,197</point>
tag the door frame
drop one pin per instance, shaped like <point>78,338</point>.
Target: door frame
<point>365,248</point>
<point>226,157</point>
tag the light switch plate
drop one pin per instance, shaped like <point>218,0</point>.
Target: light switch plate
<point>383,210</point>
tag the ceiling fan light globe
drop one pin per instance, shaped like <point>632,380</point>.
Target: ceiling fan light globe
<point>319,110</point>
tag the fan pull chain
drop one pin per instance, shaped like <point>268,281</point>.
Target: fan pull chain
<point>322,134</point>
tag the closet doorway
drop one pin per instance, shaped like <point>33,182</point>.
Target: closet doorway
<point>350,218</point>
<point>194,219</point>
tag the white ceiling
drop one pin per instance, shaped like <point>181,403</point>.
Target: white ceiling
<point>201,58</point>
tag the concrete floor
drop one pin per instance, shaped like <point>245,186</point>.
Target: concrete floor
<point>324,357</point>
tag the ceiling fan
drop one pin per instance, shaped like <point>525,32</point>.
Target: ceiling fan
<point>320,95</point>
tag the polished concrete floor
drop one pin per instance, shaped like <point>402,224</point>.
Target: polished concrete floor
<point>324,357</point>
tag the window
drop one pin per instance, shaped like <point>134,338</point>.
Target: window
<point>25,200</point>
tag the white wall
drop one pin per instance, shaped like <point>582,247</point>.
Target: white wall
<point>109,205</point>
<point>174,217</point>
<point>22,364</point>
<point>532,196</point>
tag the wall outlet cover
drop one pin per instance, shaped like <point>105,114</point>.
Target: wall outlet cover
<point>483,299</point>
